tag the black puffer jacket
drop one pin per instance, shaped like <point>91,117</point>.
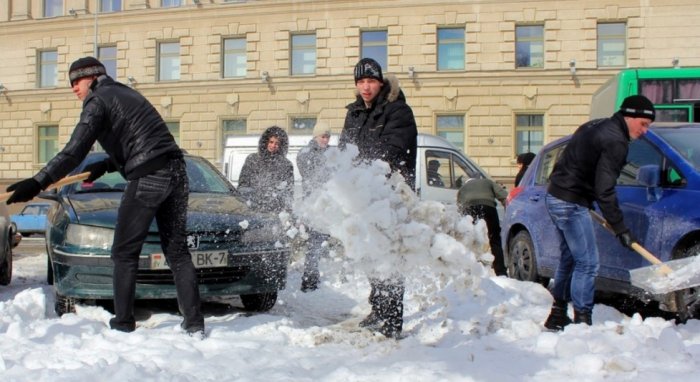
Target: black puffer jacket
<point>386,131</point>
<point>125,124</point>
<point>311,162</point>
<point>267,179</point>
<point>590,165</point>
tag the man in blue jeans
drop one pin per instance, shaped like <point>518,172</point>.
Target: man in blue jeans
<point>142,149</point>
<point>586,172</point>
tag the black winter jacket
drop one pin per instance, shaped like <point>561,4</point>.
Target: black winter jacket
<point>267,179</point>
<point>590,165</point>
<point>125,124</point>
<point>311,162</point>
<point>385,131</point>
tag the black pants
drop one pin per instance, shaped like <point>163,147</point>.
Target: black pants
<point>386,299</point>
<point>163,195</point>
<point>490,215</point>
<point>313,255</point>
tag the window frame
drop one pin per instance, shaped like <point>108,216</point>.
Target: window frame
<point>42,140</point>
<point>528,128</point>
<point>43,64</point>
<point>114,6</point>
<point>368,46</point>
<point>107,61</point>
<point>234,54</point>
<point>448,42</point>
<point>161,57</point>
<point>446,132</point>
<point>298,51</point>
<point>527,43</point>
<point>293,119</point>
<point>55,10</point>
<point>611,38</point>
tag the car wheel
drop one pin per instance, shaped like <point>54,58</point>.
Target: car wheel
<point>688,300</point>
<point>522,263</point>
<point>64,304</point>
<point>259,302</point>
<point>6,266</point>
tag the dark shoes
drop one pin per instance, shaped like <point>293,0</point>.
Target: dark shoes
<point>195,331</point>
<point>558,317</point>
<point>309,284</point>
<point>583,318</point>
<point>126,327</point>
<point>372,321</point>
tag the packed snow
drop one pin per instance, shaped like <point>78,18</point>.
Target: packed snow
<point>462,323</point>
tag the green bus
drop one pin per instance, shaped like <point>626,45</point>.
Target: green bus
<point>674,91</point>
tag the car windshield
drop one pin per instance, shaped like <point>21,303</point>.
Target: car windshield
<point>203,178</point>
<point>686,140</point>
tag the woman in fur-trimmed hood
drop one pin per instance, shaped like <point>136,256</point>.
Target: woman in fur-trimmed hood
<point>267,177</point>
<point>383,128</point>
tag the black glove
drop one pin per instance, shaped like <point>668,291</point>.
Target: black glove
<point>97,169</point>
<point>626,239</point>
<point>24,191</point>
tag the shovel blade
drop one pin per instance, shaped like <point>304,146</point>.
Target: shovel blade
<point>685,274</point>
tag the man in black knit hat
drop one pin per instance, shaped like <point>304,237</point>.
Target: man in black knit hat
<point>382,126</point>
<point>587,172</point>
<point>142,149</point>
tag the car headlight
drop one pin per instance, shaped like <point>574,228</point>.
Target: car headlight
<point>89,236</point>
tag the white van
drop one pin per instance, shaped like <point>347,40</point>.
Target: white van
<point>451,167</point>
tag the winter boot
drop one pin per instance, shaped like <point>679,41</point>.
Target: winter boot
<point>558,317</point>
<point>371,321</point>
<point>583,317</point>
<point>309,283</point>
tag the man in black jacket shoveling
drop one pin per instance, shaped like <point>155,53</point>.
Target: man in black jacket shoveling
<point>587,171</point>
<point>142,149</point>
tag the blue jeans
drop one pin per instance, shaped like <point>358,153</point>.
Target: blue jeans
<point>574,279</point>
<point>161,195</point>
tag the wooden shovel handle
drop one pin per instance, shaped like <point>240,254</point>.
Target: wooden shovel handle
<point>665,269</point>
<point>63,182</point>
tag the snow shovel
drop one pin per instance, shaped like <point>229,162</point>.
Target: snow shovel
<point>63,182</point>
<point>660,277</point>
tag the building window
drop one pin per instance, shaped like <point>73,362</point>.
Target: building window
<point>169,61</point>
<point>450,49</point>
<point>47,143</point>
<point>529,133</point>
<point>107,6</point>
<point>303,54</point>
<point>170,3</point>
<point>303,125</point>
<point>529,46</point>
<point>611,44</point>
<point>234,57</point>
<point>48,68</point>
<point>232,128</point>
<point>451,127</point>
<point>108,57</point>
<point>373,45</point>
<point>53,8</point>
<point>174,129</point>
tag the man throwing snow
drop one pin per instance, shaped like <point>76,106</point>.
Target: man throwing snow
<point>382,126</point>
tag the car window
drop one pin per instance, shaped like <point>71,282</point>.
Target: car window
<point>463,171</point>
<point>547,162</point>
<point>34,210</point>
<point>203,177</point>
<point>641,152</point>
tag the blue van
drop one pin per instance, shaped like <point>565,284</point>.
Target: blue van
<point>658,191</point>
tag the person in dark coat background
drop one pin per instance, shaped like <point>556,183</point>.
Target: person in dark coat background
<point>382,126</point>
<point>523,161</point>
<point>311,162</point>
<point>587,171</point>
<point>142,149</point>
<point>267,177</point>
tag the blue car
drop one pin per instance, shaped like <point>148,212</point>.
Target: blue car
<point>236,251</point>
<point>32,219</point>
<point>658,192</point>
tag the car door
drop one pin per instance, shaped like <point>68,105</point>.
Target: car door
<point>644,221</point>
<point>448,171</point>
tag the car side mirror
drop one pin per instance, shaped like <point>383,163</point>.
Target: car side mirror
<point>649,176</point>
<point>49,195</point>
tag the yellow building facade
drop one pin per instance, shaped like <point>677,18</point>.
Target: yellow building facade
<point>518,59</point>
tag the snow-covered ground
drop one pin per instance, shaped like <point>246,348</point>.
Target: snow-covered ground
<point>461,322</point>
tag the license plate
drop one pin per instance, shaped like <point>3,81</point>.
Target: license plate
<point>200,259</point>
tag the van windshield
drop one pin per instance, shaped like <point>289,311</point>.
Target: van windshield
<point>686,140</point>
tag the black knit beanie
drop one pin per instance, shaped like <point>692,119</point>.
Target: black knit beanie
<point>368,68</point>
<point>85,67</point>
<point>638,106</point>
